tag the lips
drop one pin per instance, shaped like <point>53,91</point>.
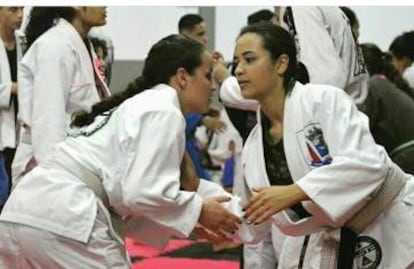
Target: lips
<point>242,83</point>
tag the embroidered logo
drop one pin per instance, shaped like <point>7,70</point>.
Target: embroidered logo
<point>91,129</point>
<point>316,145</point>
<point>368,253</point>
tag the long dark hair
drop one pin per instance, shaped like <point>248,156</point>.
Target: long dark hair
<point>162,62</point>
<point>276,41</point>
<point>378,62</point>
<point>43,18</point>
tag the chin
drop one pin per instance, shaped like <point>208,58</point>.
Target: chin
<point>247,95</point>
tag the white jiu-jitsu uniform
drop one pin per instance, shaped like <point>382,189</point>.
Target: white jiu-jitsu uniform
<point>139,165</point>
<point>56,78</point>
<point>327,47</point>
<point>333,158</point>
<point>8,130</point>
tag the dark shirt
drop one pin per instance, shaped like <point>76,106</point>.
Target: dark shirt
<point>276,165</point>
<point>12,57</point>
<point>391,119</point>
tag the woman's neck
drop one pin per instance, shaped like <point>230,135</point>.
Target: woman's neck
<point>7,35</point>
<point>273,105</point>
<point>80,27</point>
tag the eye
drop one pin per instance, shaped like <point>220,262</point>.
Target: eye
<point>235,63</point>
<point>250,59</point>
<point>209,75</point>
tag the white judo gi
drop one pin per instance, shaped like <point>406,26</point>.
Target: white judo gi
<point>56,78</point>
<point>333,158</point>
<point>136,152</point>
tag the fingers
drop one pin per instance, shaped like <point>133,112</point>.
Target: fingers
<point>253,204</point>
<point>231,223</point>
<point>221,199</point>
<point>259,189</point>
<point>263,213</point>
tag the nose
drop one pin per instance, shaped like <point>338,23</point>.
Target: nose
<point>20,13</point>
<point>238,70</point>
<point>213,85</point>
<point>205,39</point>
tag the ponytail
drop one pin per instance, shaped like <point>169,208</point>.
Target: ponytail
<point>43,18</point>
<point>83,118</point>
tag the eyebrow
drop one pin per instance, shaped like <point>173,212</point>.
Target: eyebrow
<point>248,52</point>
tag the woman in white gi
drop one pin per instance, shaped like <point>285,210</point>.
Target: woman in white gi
<point>312,169</point>
<point>10,54</point>
<point>125,159</point>
<point>56,78</point>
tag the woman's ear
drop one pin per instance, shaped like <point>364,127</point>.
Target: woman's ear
<point>282,64</point>
<point>181,78</point>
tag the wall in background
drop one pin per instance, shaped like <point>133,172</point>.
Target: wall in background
<point>229,21</point>
<point>380,25</point>
<point>134,29</point>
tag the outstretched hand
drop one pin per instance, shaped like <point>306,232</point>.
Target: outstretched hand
<point>271,200</point>
<point>218,219</point>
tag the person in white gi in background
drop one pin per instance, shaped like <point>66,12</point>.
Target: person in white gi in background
<point>10,54</point>
<point>327,47</point>
<point>56,78</point>
<point>312,169</point>
<point>54,218</point>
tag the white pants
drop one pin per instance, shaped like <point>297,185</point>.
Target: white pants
<point>23,247</point>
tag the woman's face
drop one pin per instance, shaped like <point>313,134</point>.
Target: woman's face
<point>255,71</point>
<point>93,16</point>
<point>11,17</point>
<point>200,86</point>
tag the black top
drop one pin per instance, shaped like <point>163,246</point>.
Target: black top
<point>12,57</point>
<point>243,121</point>
<point>276,165</point>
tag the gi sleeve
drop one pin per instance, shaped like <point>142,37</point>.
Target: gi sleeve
<point>358,165</point>
<point>52,80</point>
<point>151,185</point>
<point>5,94</point>
<point>231,96</point>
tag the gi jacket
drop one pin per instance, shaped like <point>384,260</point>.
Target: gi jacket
<point>138,162</point>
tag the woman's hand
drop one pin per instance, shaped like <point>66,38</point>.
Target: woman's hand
<point>216,218</point>
<point>271,200</point>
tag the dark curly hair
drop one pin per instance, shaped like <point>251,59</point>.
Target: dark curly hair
<point>42,19</point>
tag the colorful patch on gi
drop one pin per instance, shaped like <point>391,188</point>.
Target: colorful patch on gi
<point>316,145</point>
<point>368,253</point>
